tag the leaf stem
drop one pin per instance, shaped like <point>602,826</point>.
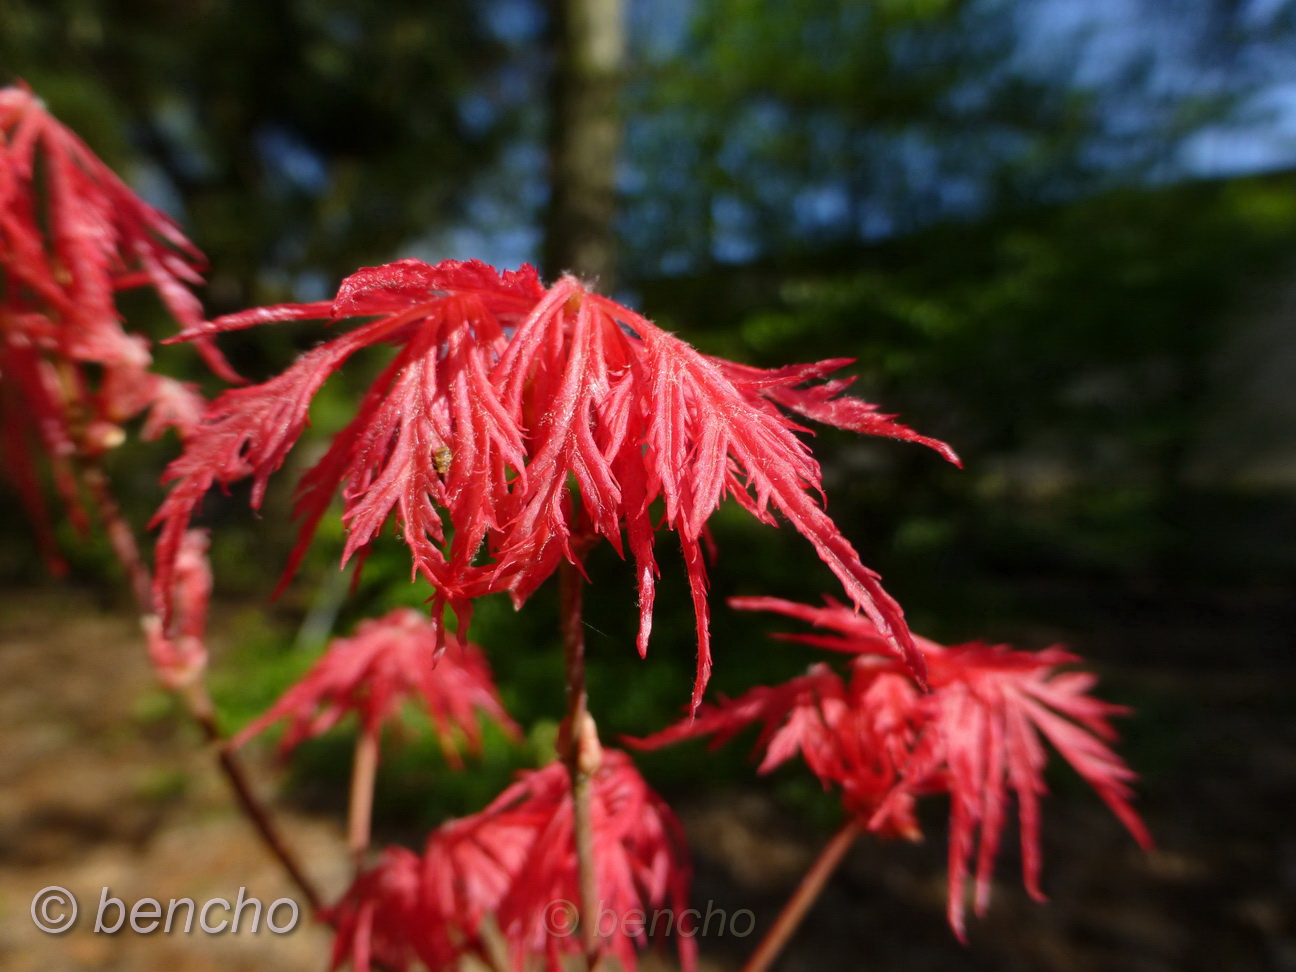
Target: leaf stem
<point>579,751</point>
<point>772,945</point>
<point>364,774</point>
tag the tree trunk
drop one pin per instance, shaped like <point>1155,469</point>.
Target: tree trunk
<point>585,135</point>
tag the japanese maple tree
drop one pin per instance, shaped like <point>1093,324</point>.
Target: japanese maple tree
<point>516,427</point>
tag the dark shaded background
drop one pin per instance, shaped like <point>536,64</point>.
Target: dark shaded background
<point>1060,236</point>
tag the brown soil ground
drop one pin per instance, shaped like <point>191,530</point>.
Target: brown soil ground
<point>96,790</point>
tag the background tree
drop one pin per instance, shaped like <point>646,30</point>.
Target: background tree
<point>585,139</point>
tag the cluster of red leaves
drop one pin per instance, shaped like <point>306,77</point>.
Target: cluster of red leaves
<point>976,736</point>
<point>516,861</point>
<point>388,661</point>
<point>501,392</point>
<point>72,235</point>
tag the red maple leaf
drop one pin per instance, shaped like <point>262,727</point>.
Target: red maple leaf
<point>468,867</point>
<point>990,709</point>
<point>503,394</point>
<point>388,661</point>
<point>976,735</point>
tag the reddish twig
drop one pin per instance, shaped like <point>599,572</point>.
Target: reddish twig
<point>120,535</point>
<point>195,696</point>
<point>805,895</point>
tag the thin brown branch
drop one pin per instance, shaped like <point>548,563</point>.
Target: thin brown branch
<point>120,535</point>
<point>200,706</point>
<point>807,892</point>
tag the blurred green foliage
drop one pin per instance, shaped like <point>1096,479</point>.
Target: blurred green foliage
<point>1070,354</point>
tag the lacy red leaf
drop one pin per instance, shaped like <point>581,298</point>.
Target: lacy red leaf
<point>976,735</point>
<point>388,661</point>
<point>501,398</point>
